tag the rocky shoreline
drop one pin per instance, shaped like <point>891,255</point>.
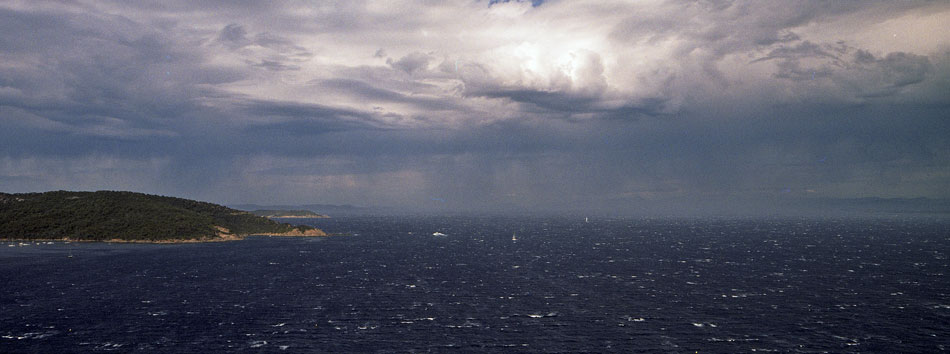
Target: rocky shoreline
<point>296,233</point>
<point>222,237</point>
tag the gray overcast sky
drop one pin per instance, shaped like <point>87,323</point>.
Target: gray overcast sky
<point>471,105</point>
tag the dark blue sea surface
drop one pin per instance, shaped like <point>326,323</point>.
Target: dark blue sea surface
<point>565,285</point>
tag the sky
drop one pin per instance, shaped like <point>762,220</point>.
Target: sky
<point>478,105</point>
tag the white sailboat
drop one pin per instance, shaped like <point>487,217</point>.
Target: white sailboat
<point>513,237</point>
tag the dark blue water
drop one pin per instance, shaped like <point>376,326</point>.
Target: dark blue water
<point>610,285</point>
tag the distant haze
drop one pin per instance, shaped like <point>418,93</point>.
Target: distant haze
<point>639,107</point>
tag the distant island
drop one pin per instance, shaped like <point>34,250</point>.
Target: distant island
<point>288,214</point>
<point>325,209</point>
<point>130,217</point>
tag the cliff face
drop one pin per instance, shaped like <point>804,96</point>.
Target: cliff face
<point>129,217</point>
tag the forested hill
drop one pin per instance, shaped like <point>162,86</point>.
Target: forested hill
<point>128,216</point>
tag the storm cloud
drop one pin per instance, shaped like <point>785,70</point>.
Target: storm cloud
<point>477,105</point>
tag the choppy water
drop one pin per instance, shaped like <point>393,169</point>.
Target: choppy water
<point>611,285</point>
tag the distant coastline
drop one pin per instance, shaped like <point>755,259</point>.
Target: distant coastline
<point>288,214</point>
<point>129,217</point>
<point>118,240</point>
<point>226,238</point>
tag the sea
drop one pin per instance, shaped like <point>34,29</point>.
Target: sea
<point>564,285</point>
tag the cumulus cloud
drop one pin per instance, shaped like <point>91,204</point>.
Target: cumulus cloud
<point>589,103</point>
<point>234,36</point>
<point>411,62</point>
